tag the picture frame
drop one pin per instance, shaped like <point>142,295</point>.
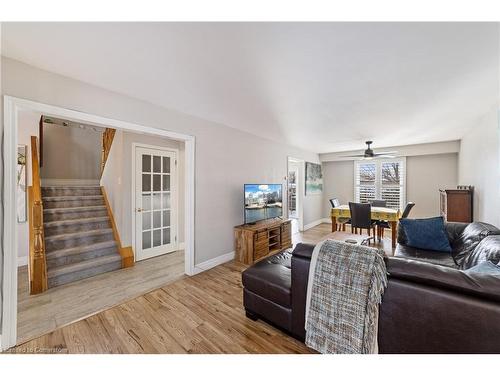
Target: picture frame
<point>314,179</point>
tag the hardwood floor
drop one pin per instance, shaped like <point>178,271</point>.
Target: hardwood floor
<point>59,306</point>
<point>199,314</point>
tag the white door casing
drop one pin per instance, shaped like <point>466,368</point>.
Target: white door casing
<point>12,106</point>
<point>155,201</point>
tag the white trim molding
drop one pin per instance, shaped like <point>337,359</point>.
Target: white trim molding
<point>211,263</point>
<point>316,222</point>
<point>12,106</point>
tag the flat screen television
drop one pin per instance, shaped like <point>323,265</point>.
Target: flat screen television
<point>263,201</point>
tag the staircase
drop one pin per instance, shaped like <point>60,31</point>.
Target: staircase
<point>79,240</point>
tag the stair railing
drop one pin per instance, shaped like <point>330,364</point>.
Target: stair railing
<point>37,260</point>
<point>107,140</point>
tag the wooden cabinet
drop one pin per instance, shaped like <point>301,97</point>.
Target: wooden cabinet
<point>457,204</point>
<point>253,242</point>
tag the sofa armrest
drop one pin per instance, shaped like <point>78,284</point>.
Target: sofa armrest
<point>473,284</point>
<point>301,259</point>
<point>303,250</point>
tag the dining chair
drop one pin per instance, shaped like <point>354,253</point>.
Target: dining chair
<point>361,218</point>
<point>378,203</point>
<point>407,210</point>
<point>341,221</point>
<point>379,223</point>
<point>382,225</point>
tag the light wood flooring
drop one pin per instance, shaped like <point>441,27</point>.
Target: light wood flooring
<point>199,314</point>
<point>59,306</point>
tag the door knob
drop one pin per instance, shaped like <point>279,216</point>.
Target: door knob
<point>139,209</point>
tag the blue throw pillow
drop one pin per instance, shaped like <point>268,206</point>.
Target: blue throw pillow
<point>487,267</point>
<point>428,234</point>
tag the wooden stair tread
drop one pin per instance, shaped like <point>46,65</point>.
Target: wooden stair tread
<point>78,234</point>
<point>64,198</point>
<point>80,249</point>
<point>75,221</point>
<point>75,267</point>
<point>73,209</point>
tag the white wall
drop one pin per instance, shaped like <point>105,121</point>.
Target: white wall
<point>479,166</point>
<point>226,158</point>
<point>71,153</point>
<point>425,175</point>
<point>27,127</point>
<point>338,182</point>
<point>117,180</point>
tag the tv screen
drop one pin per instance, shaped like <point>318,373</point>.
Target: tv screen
<point>263,202</point>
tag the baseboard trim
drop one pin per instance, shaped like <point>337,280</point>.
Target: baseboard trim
<point>211,263</point>
<point>22,261</point>
<point>316,222</point>
<point>68,182</point>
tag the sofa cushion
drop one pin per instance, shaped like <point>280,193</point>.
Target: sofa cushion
<point>271,278</point>
<point>485,286</point>
<point>428,234</point>
<point>487,268</point>
<point>435,257</point>
<point>487,250</point>
<point>471,236</point>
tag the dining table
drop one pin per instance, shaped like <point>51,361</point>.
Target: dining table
<point>390,215</point>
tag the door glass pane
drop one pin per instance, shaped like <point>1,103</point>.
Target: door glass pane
<point>146,163</point>
<point>146,202</point>
<point>146,182</point>
<point>166,165</point>
<point>146,239</point>
<point>166,200</point>
<point>146,220</point>
<point>156,182</point>
<point>156,219</point>
<point>156,164</point>
<point>166,218</point>
<point>166,182</point>
<point>166,236</point>
<point>157,237</point>
<point>156,201</point>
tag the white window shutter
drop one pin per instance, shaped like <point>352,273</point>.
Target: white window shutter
<point>381,179</point>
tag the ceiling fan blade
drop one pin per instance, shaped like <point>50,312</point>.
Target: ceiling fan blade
<point>352,156</point>
<point>385,155</point>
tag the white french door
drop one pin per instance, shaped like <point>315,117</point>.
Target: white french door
<point>155,202</point>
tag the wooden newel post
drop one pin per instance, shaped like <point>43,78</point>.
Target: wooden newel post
<point>38,263</point>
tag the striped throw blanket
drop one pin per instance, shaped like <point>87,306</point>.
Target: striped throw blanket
<point>345,288</point>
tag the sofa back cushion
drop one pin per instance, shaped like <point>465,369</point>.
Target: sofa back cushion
<point>469,239</point>
<point>428,234</point>
<point>487,250</point>
<point>487,268</point>
<point>453,230</point>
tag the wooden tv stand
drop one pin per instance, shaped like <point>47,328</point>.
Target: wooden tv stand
<point>253,242</point>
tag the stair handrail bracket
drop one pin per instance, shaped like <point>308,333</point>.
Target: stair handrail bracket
<point>37,262</point>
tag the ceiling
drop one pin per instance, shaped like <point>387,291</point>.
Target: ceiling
<point>323,87</point>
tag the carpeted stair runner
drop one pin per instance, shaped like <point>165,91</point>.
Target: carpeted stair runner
<point>79,239</point>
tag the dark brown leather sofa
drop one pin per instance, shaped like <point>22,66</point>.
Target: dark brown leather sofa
<point>430,305</point>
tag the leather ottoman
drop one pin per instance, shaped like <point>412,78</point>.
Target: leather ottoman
<point>267,290</point>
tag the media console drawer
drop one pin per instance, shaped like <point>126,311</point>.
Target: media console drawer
<point>256,241</point>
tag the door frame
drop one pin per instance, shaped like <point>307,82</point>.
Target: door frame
<point>12,105</point>
<point>300,188</point>
<point>176,193</point>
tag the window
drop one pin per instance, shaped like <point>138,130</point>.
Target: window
<point>381,179</point>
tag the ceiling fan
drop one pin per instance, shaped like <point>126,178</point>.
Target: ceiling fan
<point>369,154</point>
